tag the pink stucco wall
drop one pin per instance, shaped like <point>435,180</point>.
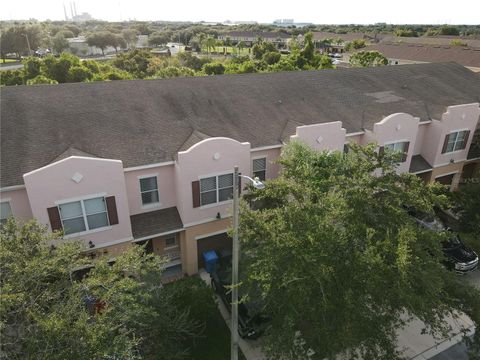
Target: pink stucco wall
<point>19,203</point>
<point>209,157</point>
<point>272,156</point>
<point>53,183</point>
<point>396,128</point>
<point>419,141</point>
<point>327,136</point>
<point>458,117</point>
<point>166,188</point>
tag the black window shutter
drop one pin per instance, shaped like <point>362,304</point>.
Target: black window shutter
<point>196,193</point>
<point>54,216</point>
<point>405,151</point>
<point>112,210</point>
<point>381,151</point>
<point>445,143</point>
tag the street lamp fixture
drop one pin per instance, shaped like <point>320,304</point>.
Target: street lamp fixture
<point>235,257</point>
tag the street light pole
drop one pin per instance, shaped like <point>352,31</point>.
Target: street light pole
<point>28,44</point>
<point>236,256</point>
<point>235,260</point>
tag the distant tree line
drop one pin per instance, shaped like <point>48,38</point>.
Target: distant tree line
<point>141,64</point>
<point>23,38</point>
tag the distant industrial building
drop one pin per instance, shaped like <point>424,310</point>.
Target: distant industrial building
<point>75,16</point>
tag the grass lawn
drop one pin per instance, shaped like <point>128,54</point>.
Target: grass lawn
<point>9,61</point>
<point>214,343</point>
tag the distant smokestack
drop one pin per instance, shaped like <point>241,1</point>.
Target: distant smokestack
<point>71,10</point>
<point>65,12</point>
<point>75,8</point>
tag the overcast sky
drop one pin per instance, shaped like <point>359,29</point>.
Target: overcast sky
<point>264,11</point>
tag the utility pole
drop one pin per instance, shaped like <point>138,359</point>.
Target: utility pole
<point>235,259</point>
<point>28,44</point>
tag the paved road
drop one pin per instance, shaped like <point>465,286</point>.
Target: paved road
<point>474,278</point>
<point>11,67</point>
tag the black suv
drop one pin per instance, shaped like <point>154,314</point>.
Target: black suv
<point>251,322</point>
<point>459,257</point>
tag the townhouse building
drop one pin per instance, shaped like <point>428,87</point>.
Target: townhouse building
<point>280,39</point>
<point>151,161</point>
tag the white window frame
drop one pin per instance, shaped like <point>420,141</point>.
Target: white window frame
<point>395,143</point>
<point>385,145</point>
<point>265,169</point>
<point>6,201</point>
<point>84,215</point>
<point>153,204</point>
<point>174,246</point>
<point>455,141</point>
<point>216,175</point>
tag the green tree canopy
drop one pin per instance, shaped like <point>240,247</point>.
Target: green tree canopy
<point>59,43</point>
<point>130,37</point>
<point>159,38</point>
<point>119,311</point>
<point>368,59</point>
<point>41,79</point>
<point>213,68</point>
<point>102,39</point>
<point>336,261</point>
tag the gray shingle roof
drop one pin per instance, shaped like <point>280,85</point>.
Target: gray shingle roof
<point>155,222</point>
<point>465,56</point>
<point>147,121</point>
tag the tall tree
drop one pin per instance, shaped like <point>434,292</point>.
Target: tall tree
<point>338,263</point>
<point>368,59</point>
<point>119,311</point>
<point>130,36</point>
<point>59,43</point>
<point>101,40</point>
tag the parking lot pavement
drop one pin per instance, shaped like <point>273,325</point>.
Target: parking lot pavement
<point>250,348</point>
<point>474,278</point>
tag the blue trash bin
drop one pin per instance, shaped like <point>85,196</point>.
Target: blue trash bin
<point>211,259</point>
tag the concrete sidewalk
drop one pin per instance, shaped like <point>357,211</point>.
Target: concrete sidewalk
<point>250,348</point>
<point>410,339</point>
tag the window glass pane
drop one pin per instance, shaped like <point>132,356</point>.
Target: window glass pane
<point>225,181</point>
<point>450,147</point>
<point>150,197</point>
<point>5,210</point>
<point>225,194</point>
<point>209,197</point>
<point>148,183</point>
<point>74,225</point>
<point>97,220</point>
<point>260,175</point>
<point>70,210</point>
<point>170,242</point>
<point>208,184</point>
<point>93,206</point>
<point>461,136</point>
<point>259,164</point>
<point>458,146</point>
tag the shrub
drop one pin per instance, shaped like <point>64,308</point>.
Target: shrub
<point>174,71</point>
<point>11,77</point>
<point>41,79</point>
<point>214,68</point>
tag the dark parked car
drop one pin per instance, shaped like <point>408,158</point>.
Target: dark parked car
<point>251,322</point>
<point>459,257</point>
